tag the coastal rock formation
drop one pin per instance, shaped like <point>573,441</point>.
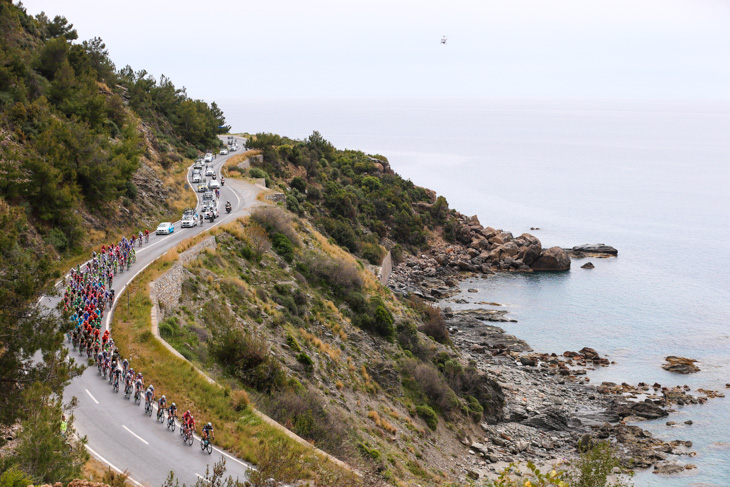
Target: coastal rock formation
<point>588,265</point>
<point>680,365</point>
<point>552,259</point>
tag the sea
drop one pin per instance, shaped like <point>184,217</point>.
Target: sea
<point>651,178</point>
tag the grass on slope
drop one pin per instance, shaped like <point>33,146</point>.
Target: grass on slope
<point>238,428</point>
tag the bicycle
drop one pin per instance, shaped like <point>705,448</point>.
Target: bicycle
<point>206,445</point>
<point>148,407</point>
<point>116,386</point>
<point>137,397</point>
<point>160,415</point>
<point>99,366</point>
<point>127,391</point>
<point>188,437</point>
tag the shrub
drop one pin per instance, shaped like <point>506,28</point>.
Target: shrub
<point>257,173</point>
<point>276,220</point>
<point>299,184</point>
<point>292,204</point>
<point>376,318</point>
<point>428,415</point>
<point>293,343</point>
<point>240,400</point>
<point>426,380</point>
<point>373,253</point>
<point>595,466</point>
<point>342,276</point>
<point>371,453</point>
<point>305,360</point>
<point>14,477</point>
<point>283,246</point>
<point>314,193</point>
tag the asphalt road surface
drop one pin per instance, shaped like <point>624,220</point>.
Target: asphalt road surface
<point>118,431</point>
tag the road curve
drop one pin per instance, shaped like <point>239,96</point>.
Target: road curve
<point>119,433</point>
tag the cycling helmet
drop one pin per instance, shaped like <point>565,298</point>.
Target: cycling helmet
<point>163,396</point>
<point>152,387</point>
<point>187,412</point>
<point>173,404</point>
<point>210,425</point>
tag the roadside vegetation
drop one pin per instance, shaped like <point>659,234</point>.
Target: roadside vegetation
<point>83,147</point>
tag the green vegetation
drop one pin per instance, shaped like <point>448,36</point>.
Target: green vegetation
<point>353,198</point>
<point>74,131</point>
<point>428,415</point>
<point>598,466</point>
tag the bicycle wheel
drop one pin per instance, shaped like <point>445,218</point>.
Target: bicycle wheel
<point>209,447</point>
<point>190,439</point>
<point>202,444</point>
<point>160,416</point>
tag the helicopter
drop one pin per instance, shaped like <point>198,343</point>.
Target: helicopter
<point>444,39</point>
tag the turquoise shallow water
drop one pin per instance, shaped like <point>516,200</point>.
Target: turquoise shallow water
<point>653,180</point>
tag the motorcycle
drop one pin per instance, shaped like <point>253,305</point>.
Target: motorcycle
<point>228,208</point>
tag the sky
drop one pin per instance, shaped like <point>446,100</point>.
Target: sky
<point>281,49</point>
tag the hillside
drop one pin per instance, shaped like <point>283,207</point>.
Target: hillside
<point>88,152</point>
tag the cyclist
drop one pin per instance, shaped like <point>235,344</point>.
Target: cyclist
<point>125,366</point>
<point>139,383</point>
<point>140,237</point>
<point>172,411</point>
<point>191,424</point>
<point>161,405</point>
<point>117,375</point>
<point>208,432</point>
<point>185,417</point>
<point>150,394</point>
<point>146,235</point>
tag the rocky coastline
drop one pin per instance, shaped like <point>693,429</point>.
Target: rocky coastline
<point>550,405</point>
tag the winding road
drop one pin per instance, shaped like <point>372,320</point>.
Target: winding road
<point>119,433</point>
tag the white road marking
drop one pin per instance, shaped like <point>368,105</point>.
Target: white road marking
<point>104,460</point>
<point>92,397</point>
<point>136,435</point>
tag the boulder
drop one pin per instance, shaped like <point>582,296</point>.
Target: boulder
<point>648,410</point>
<point>552,259</point>
<point>588,265</point>
<point>510,249</point>
<point>668,468</point>
<point>501,239</point>
<point>552,420</point>
<point>530,248</point>
<point>680,365</point>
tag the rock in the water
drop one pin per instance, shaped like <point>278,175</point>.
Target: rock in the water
<point>552,259</point>
<point>680,365</point>
<point>588,265</point>
<point>596,249</point>
<point>668,468</point>
<point>648,410</point>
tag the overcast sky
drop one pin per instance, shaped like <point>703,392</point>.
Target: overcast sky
<point>604,49</point>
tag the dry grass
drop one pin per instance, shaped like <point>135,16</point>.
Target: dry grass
<point>339,385</point>
<point>382,422</point>
<point>326,348</point>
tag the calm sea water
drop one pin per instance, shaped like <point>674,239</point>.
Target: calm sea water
<point>653,180</point>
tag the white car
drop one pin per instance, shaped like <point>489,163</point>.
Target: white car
<point>209,171</point>
<point>224,152</point>
<point>165,228</point>
<point>197,178</point>
<point>208,157</point>
<point>189,221</point>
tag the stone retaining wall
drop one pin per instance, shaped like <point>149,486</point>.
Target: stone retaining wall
<point>386,268</point>
<point>167,289</point>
